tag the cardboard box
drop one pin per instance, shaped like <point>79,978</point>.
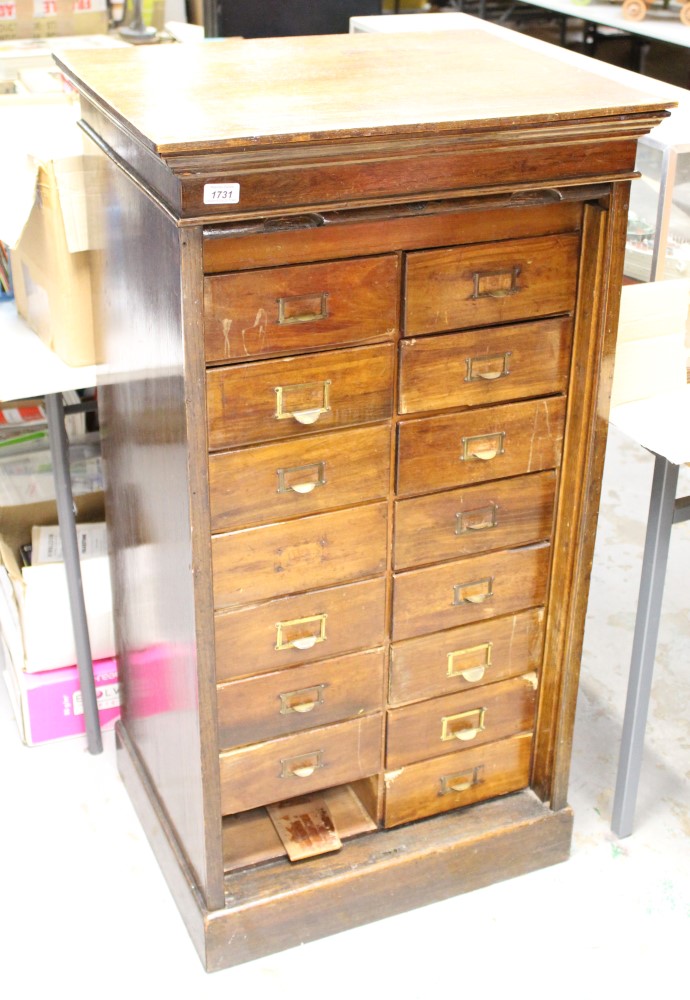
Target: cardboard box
<point>35,616</point>
<point>51,262</point>
<point>41,18</point>
<point>49,706</point>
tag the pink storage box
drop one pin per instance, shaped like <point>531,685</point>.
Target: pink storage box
<point>48,705</point>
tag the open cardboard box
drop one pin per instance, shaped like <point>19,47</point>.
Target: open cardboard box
<point>35,616</point>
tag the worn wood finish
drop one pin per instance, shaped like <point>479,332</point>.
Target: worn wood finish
<point>443,725</point>
<point>501,513</point>
<point>294,478</point>
<point>353,617</point>
<point>319,183</point>
<point>256,564</point>
<point>318,236</point>
<point>479,445</point>
<point>276,704</point>
<point>468,590</point>
<point>460,659</point>
<point>351,387</point>
<point>482,367</point>
<point>457,780</point>
<point>501,283</point>
<point>301,763</point>
<point>282,310</point>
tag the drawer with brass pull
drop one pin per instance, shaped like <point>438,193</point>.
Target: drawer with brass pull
<point>469,590</point>
<point>300,763</point>
<point>469,286</point>
<point>459,779</point>
<point>289,701</point>
<point>266,400</point>
<point>291,478</point>
<point>287,309</point>
<point>474,519</point>
<point>479,367</point>
<point>472,447</point>
<point>300,629</point>
<point>256,564</point>
<point>463,658</point>
<point>444,725</point>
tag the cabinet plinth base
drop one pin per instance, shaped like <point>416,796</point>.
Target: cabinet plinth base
<point>279,905</point>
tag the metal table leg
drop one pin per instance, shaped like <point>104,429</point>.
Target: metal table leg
<point>661,519</point>
<point>59,451</point>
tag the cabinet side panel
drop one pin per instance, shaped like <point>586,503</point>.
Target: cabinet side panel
<point>150,461</point>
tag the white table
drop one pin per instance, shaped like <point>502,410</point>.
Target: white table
<point>28,369</point>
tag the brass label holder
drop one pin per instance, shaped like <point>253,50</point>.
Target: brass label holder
<point>301,478</point>
<point>304,402</point>
<point>302,308</point>
<point>461,781</point>
<point>488,367</point>
<point>465,727</point>
<point>480,519</point>
<point>470,663</point>
<point>473,592</point>
<point>306,637</point>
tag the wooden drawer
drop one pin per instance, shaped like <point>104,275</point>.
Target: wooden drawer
<point>507,512</point>
<point>479,367</point>
<point>473,447</point>
<point>443,725</point>
<point>469,590</point>
<point>289,701</point>
<point>496,283</point>
<point>292,478</point>
<point>301,763</point>
<point>301,629</point>
<point>286,398</point>
<point>288,309</point>
<point>459,779</point>
<point>463,658</point>
<point>256,564</point>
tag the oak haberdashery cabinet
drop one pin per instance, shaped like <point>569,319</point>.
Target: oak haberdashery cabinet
<point>358,298</point>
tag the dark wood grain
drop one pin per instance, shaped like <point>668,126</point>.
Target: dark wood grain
<point>243,399</point>
<point>289,701</point>
<point>283,310</point>
<point>431,449</point>
<point>458,779</point>
<point>481,367</point>
<point>463,658</point>
<point>494,515</point>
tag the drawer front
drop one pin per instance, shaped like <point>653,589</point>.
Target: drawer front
<point>443,725</point>
<point>497,283</point>
<point>481,367</point>
<point>301,763</point>
<point>290,701</point>
<point>288,309</point>
<point>292,478</point>
<point>257,564</point>
<point>461,659</point>
<point>473,447</point>
<point>466,521</point>
<point>459,779</point>
<point>293,630</point>
<point>469,590</point>
<point>270,400</point>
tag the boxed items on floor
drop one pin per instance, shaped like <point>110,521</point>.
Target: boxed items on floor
<point>37,18</point>
<point>48,706</point>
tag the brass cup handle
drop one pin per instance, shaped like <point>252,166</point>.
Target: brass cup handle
<point>302,487</point>
<point>303,772</point>
<point>500,293</point>
<point>458,786</point>
<point>475,598</point>
<point>307,416</point>
<point>305,706</point>
<point>484,454</point>
<point>489,376</point>
<point>473,674</point>
<point>307,642</point>
<point>466,734</point>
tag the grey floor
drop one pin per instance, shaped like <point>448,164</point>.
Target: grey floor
<point>86,912</point>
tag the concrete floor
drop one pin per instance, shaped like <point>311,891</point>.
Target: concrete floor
<point>85,908</point>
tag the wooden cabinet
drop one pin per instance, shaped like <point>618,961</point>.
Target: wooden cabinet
<point>354,431</point>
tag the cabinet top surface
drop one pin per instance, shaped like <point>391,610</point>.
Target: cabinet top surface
<point>232,93</point>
